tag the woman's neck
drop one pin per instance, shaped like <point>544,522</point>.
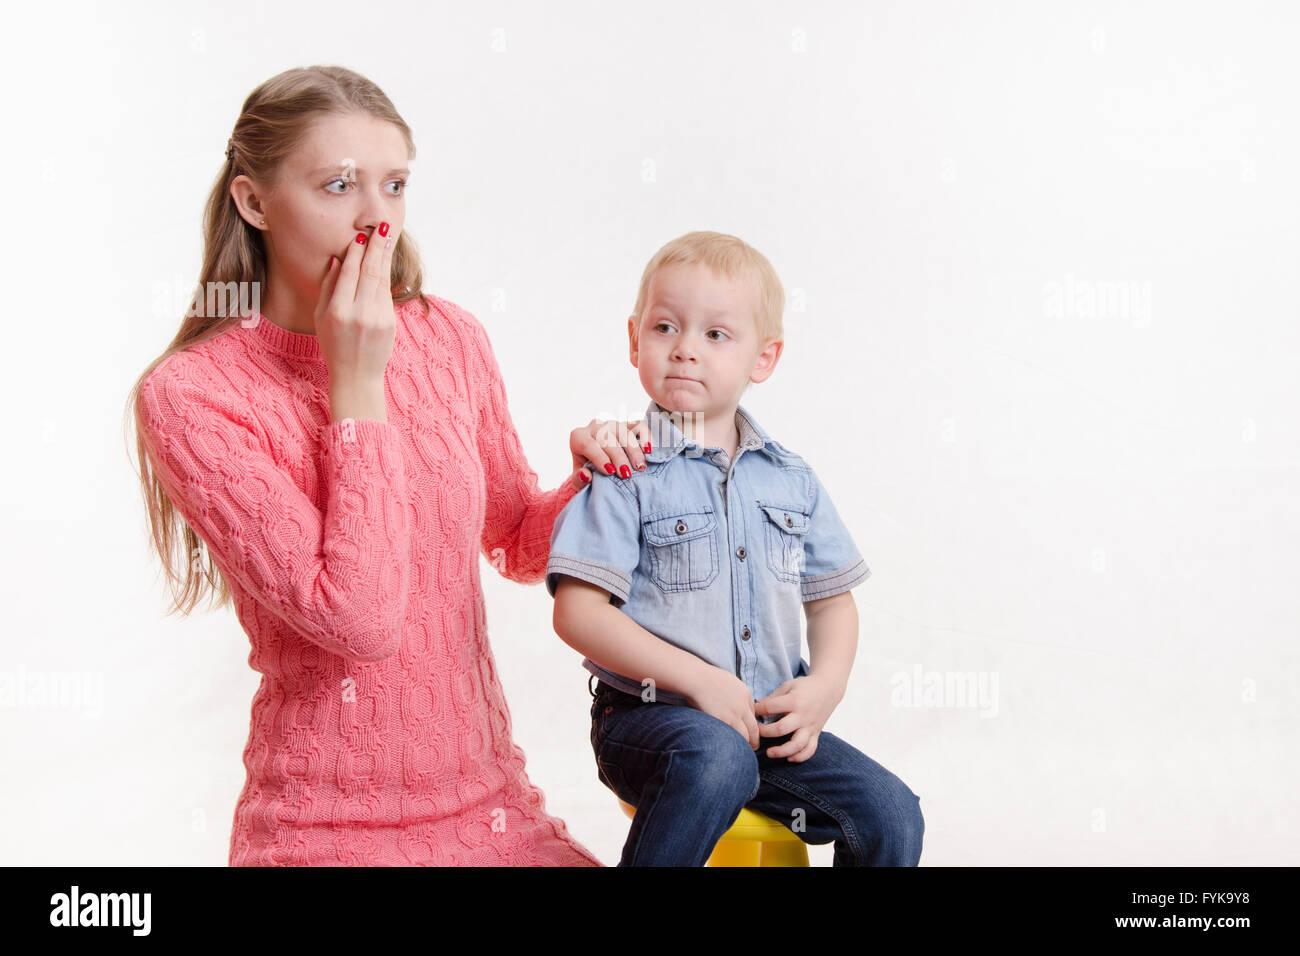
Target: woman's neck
<point>283,306</point>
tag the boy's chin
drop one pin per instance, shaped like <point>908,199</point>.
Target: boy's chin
<point>673,402</point>
<point>678,405</point>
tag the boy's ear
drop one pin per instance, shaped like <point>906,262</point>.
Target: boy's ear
<point>631,340</point>
<point>766,363</point>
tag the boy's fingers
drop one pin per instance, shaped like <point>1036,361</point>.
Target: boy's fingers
<point>804,754</point>
<point>795,744</point>
<point>779,728</point>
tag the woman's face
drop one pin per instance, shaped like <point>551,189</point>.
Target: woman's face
<point>347,176</point>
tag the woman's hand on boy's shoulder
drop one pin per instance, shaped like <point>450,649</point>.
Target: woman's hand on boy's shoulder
<point>612,447</point>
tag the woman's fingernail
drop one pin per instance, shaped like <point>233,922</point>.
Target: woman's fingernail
<point>383,228</point>
<point>647,448</point>
<point>586,476</point>
<point>609,468</point>
<point>361,238</point>
<point>331,265</point>
<point>625,471</point>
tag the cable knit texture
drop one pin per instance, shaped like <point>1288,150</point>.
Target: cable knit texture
<point>380,733</point>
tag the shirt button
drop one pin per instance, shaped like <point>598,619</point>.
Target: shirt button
<point>788,522</point>
<point>740,552</point>
<point>744,632</point>
<point>681,528</point>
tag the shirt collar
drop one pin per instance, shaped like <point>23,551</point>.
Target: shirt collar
<point>667,440</point>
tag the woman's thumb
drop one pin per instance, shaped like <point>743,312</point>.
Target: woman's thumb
<point>581,478</point>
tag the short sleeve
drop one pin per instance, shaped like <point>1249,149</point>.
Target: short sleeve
<point>832,562</point>
<point>597,538</point>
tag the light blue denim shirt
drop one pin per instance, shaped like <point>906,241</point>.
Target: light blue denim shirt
<point>713,556</point>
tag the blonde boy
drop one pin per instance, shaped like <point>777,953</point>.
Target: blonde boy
<point>683,586</point>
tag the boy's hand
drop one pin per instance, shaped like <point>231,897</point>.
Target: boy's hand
<point>807,703</point>
<point>725,696</point>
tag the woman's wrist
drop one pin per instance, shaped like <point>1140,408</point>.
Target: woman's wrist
<point>363,402</point>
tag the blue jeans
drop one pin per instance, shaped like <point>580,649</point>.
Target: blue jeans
<point>689,775</point>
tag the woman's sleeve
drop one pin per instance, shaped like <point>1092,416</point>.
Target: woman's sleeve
<point>339,578</point>
<point>519,515</point>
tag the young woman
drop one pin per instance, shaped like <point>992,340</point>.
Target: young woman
<point>344,452</point>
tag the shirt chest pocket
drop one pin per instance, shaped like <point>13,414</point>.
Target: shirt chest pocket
<point>785,528</point>
<point>682,548</point>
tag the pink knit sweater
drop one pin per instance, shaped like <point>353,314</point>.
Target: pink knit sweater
<point>380,733</point>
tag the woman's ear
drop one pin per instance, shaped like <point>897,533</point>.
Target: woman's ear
<point>243,192</point>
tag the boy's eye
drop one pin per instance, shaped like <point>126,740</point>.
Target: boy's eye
<point>665,325</point>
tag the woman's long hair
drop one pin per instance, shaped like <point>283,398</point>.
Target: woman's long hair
<point>274,120</point>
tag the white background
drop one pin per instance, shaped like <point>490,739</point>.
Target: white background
<point>1095,506</point>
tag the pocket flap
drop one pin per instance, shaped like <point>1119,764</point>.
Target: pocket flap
<point>678,526</point>
<point>789,520</point>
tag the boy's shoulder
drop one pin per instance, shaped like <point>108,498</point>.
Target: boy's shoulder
<point>784,455</point>
<point>752,434</point>
<point>784,451</point>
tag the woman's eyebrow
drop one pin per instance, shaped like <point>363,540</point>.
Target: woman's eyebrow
<point>340,167</point>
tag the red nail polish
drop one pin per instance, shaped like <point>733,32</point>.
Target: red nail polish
<point>609,468</point>
<point>647,448</point>
<point>331,265</point>
<point>361,238</point>
<point>383,228</point>
<point>585,475</point>
<point>625,471</point>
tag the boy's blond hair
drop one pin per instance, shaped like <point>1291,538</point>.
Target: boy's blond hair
<point>731,257</point>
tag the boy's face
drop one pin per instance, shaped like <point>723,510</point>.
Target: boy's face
<point>696,341</point>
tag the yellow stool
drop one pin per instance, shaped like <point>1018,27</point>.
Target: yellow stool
<point>753,840</point>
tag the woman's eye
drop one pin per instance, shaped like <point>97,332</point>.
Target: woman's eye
<point>400,183</point>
